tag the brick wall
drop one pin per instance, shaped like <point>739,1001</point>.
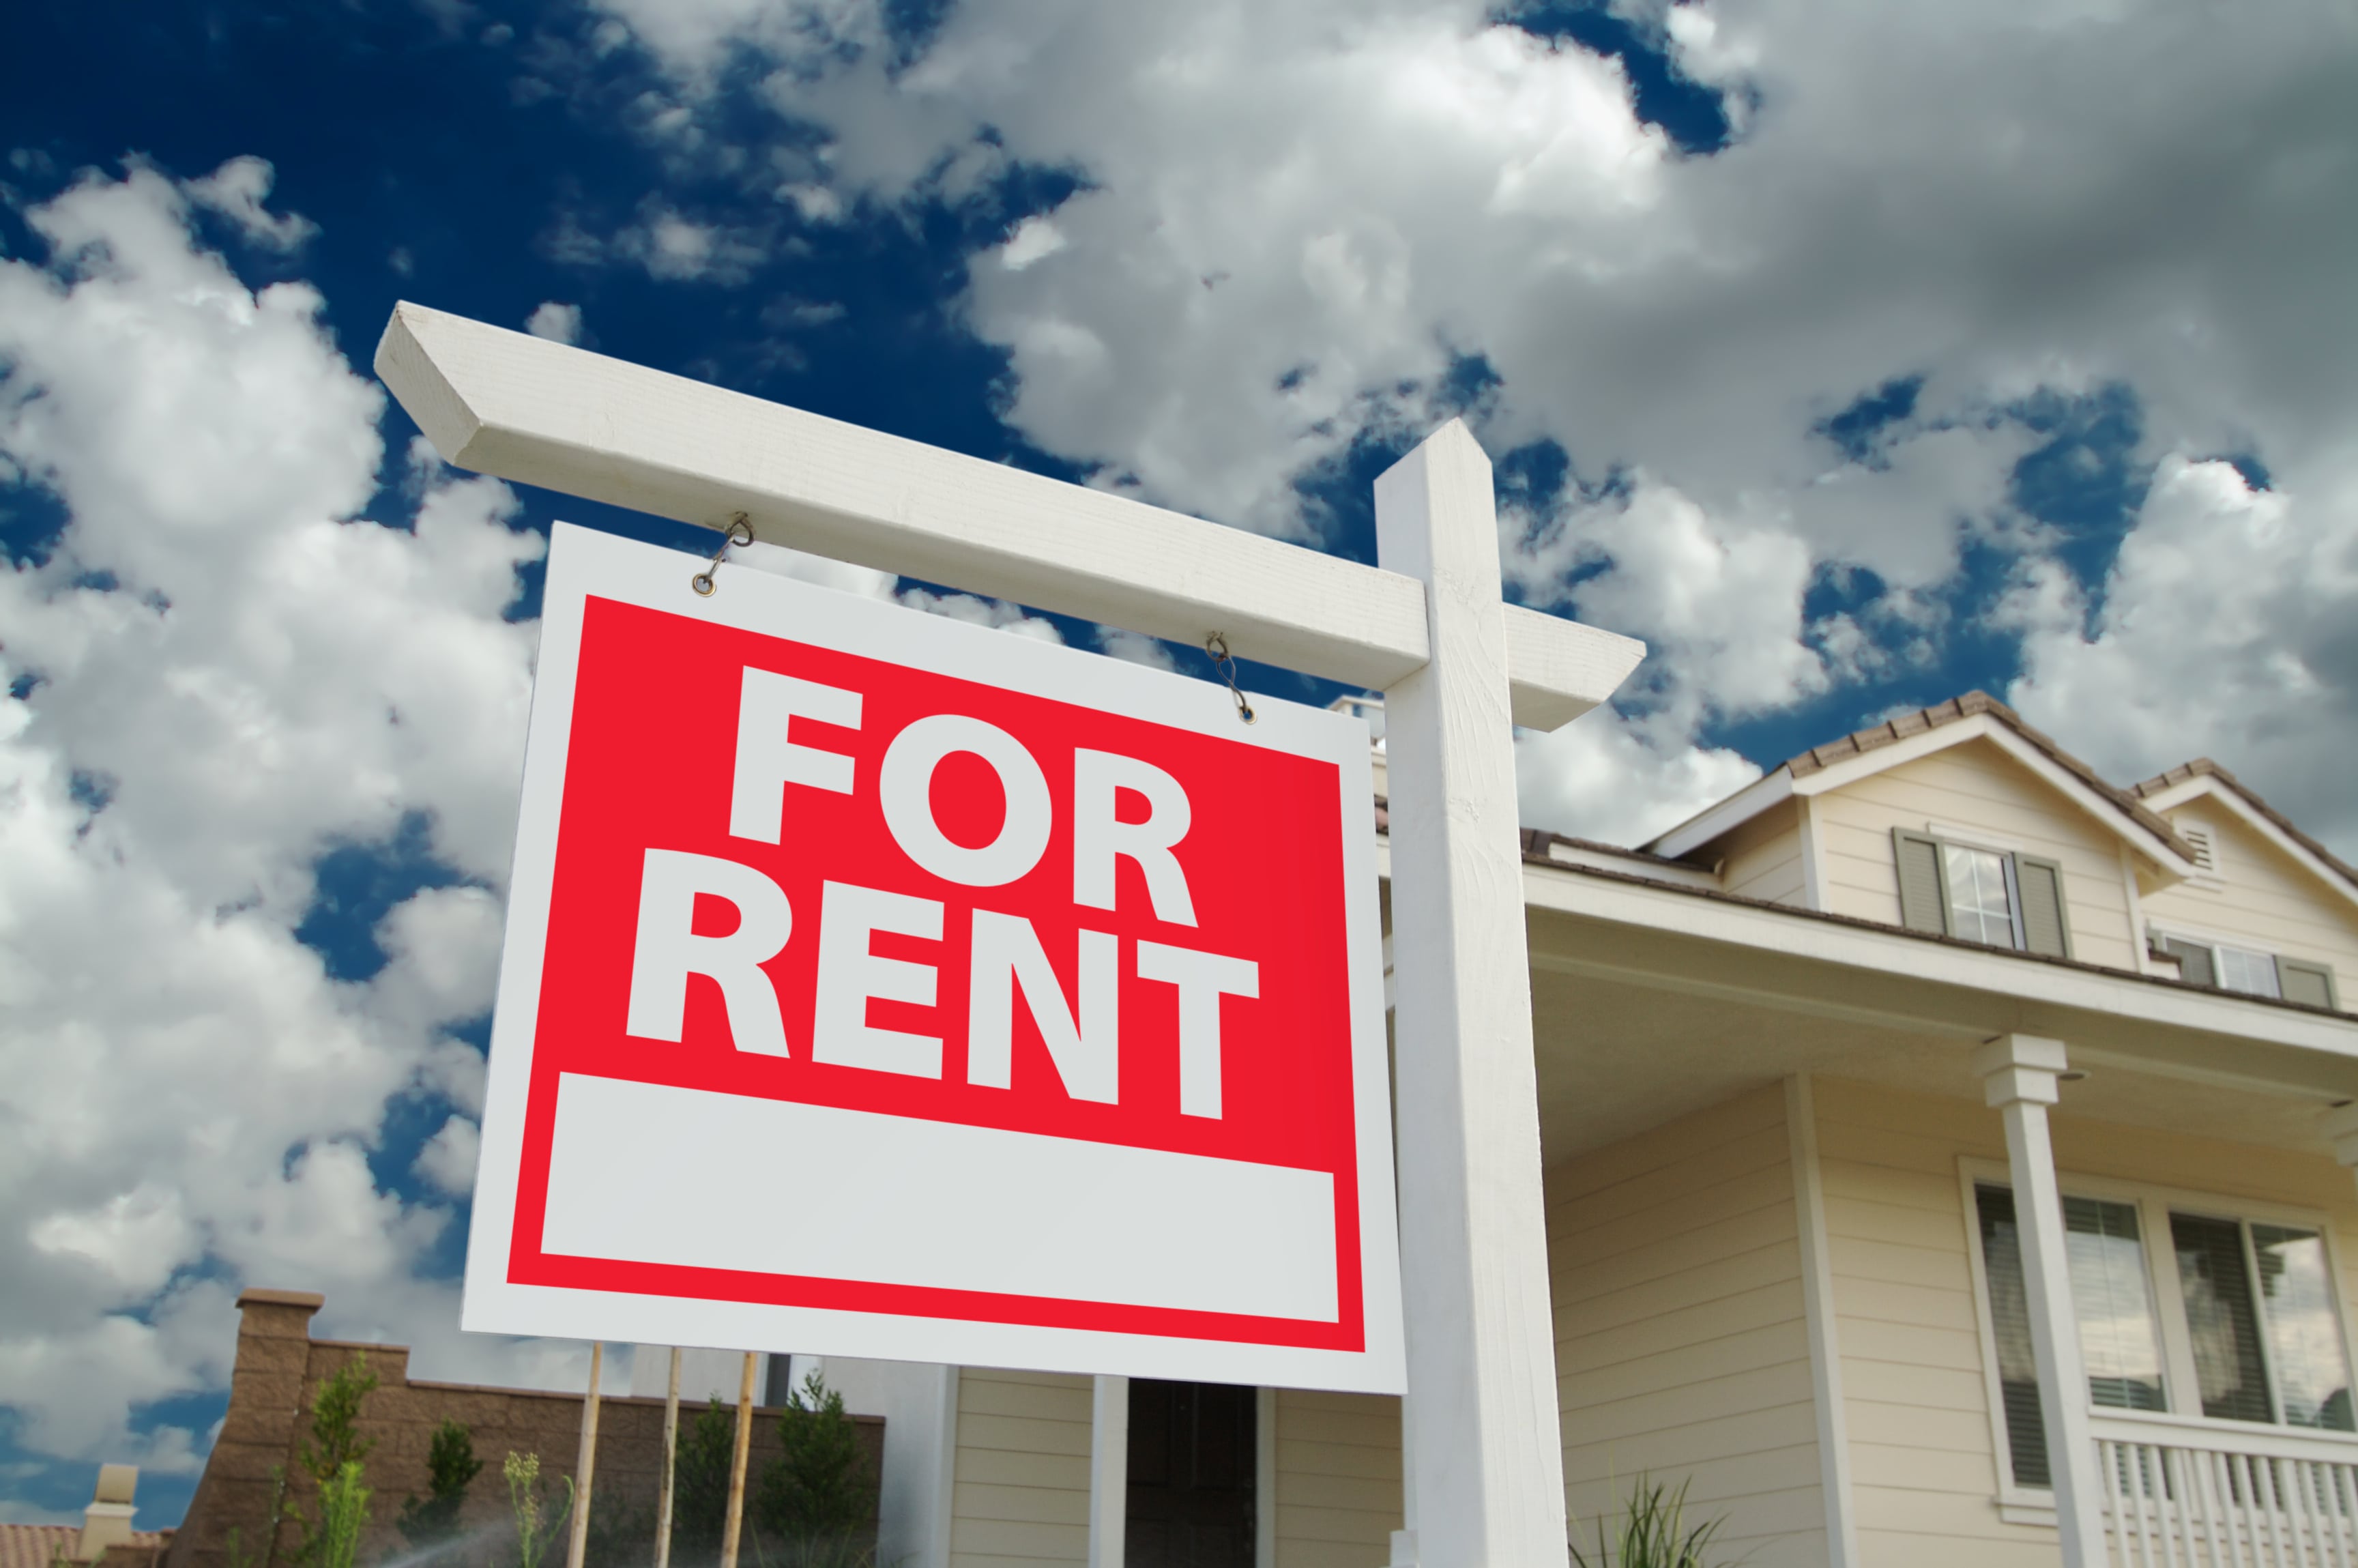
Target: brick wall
<point>278,1371</point>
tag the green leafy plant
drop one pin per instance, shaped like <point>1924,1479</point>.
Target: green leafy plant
<point>343,1514</point>
<point>700,1500</point>
<point>1653,1532</point>
<point>451,1467</point>
<point>335,1440</point>
<point>535,1526</point>
<point>818,1497</point>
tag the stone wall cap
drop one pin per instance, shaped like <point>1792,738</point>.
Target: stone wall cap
<point>256,1296</point>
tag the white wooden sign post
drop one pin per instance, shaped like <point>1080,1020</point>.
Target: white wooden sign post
<point>1428,627</point>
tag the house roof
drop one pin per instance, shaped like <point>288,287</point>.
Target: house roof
<point>1973,703</point>
<point>41,1545</point>
<point>2203,767</point>
<point>2097,795</point>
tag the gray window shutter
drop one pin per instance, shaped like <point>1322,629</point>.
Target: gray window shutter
<point>2193,961</point>
<point>2044,929</point>
<point>1923,901</point>
<point>2311,983</point>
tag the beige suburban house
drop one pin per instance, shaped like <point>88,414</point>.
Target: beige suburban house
<point>1781,1051</point>
<point>1948,1162</point>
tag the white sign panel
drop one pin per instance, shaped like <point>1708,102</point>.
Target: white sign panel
<point>880,985</point>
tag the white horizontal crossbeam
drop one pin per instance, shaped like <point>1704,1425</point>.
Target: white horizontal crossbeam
<point>544,414</point>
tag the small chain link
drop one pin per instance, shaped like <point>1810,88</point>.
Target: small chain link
<point>740,533</point>
<point>1218,646</point>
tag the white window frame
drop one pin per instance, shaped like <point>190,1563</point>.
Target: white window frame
<point>2154,1204</point>
<point>2007,858</point>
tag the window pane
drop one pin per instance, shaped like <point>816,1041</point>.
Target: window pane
<point>1978,910</point>
<point>2010,1318</point>
<point>2218,1293</point>
<point>2118,1335</point>
<point>2254,974</point>
<point>2304,1337</point>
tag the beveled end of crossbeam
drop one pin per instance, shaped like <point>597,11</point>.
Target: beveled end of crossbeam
<point>1552,677</point>
<point>522,408</point>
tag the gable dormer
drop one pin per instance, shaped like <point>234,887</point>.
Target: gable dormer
<point>1959,819</point>
<point>2270,910</point>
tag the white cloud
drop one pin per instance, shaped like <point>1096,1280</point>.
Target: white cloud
<point>237,190</point>
<point>2229,628</point>
<point>1608,779</point>
<point>448,1158</point>
<point>995,613</point>
<point>232,672</point>
<point>558,322</point>
<point>1136,648</point>
<point>1294,216</point>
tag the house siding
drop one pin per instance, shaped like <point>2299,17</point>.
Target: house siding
<point>1765,857</point>
<point>1975,786</point>
<point>1924,1461</point>
<point>1020,1493</point>
<point>2263,896</point>
<point>1681,1349</point>
<point>1338,1479</point>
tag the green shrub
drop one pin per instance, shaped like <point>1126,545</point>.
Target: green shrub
<point>700,1497</point>
<point>451,1467</point>
<point>817,1497</point>
<point>1653,1533</point>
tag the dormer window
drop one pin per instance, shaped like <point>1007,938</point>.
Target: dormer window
<point>2203,962</point>
<point>1995,897</point>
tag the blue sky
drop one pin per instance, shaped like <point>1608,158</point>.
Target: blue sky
<point>1854,356</point>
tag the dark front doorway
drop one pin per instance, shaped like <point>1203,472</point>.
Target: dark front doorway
<point>1191,1475</point>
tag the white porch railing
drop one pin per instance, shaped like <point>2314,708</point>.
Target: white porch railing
<point>2186,1494</point>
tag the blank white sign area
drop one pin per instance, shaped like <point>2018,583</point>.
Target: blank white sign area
<point>652,1174</point>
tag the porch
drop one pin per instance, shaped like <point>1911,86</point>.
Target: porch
<point>1782,1292</point>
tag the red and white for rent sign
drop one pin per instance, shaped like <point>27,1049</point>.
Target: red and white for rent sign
<point>880,985</point>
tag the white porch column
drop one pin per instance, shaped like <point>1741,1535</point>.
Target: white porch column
<point>2019,1073</point>
<point>1109,1471</point>
<point>2340,1126</point>
<point>1486,1454</point>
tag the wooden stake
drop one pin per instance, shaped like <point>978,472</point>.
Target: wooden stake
<point>670,1462</point>
<point>730,1531</point>
<point>587,1462</point>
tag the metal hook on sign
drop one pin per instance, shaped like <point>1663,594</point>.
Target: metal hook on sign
<point>1218,646</point>
<point>740,533</point>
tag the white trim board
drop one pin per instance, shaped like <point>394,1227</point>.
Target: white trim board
<point>508,404</point>
<point>1823,1323</point>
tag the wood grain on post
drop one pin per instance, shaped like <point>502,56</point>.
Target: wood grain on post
<point>670,1463</point>
<point>1485,1451</point>
<point>578,1547</point>
<point>734,1528</point>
